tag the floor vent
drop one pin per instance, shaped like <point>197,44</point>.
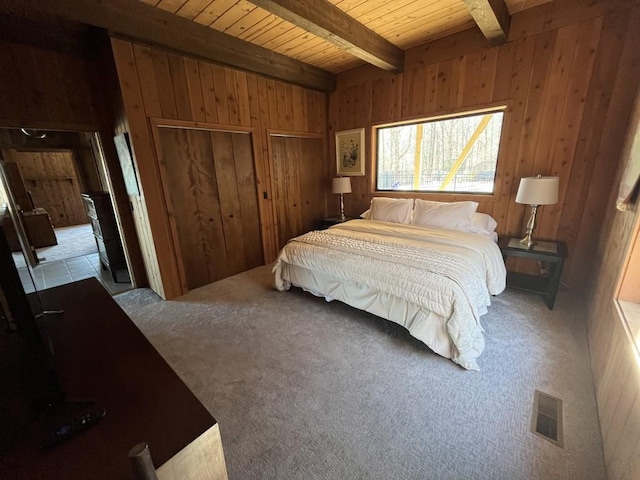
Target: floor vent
<point>546,421</point>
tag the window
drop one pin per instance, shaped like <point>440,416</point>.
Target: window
<point>627,294</point>
<point>454,154</point>
<point>628,291</point>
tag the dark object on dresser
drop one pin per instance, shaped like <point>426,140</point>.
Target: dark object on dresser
<point>105,231</point>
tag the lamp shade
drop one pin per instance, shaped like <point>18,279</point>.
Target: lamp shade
<point>341,185</point>
<point>538,190</point>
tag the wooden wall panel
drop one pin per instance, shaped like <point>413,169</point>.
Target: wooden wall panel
<point>157,84</point>
<point>615,363</point>
<point>298,170</point>
<point>73,93</point>
<point>566,90</point>
<point>52,179</point>
<point>178,148</point>
<point>47,89</point>
<point>614,360</point>
<point>152,225</point>
<point>248,198</point>
<point>313,191</point>
<point>75,142</point>
<point>287,185</point>
<point>210,191</point>
<point>147,244</point>
<point>226,173</point>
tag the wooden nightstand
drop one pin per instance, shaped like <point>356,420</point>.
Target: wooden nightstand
<point>329,221</point>
<point>553,253</point>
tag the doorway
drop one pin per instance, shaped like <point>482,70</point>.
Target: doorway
<point>45,176</point>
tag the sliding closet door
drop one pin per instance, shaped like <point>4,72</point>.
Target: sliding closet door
<point>210,184</point>
<point>300,184</point>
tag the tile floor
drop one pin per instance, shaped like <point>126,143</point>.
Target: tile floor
<point>60,272</point>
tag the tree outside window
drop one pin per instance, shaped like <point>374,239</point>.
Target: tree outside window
<point>455,154</point>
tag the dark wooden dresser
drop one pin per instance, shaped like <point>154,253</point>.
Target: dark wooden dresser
<point>105,230</point>
<point>100,355</point>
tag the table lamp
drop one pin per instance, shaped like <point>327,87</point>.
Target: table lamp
<point>536,191</point>
<point>341,185</point>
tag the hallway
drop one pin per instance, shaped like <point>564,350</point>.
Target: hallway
<point>74,258</point>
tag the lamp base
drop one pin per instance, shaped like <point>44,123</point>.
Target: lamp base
<point>540,246</point>
<point>527,241</point>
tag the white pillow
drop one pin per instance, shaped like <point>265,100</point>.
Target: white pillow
<point>449,215</point>
<point>366,214</point>
<point>483,224</point>
<point>396,210</point>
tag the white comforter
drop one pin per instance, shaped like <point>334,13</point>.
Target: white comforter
<point>437,283</point>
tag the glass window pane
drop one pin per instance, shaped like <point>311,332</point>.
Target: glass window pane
<point>457,154</point>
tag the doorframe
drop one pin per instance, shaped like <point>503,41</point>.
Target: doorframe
<point>137,276</point>
<point>158,123</point>
<point>100,160</point>
<point>18,224</point>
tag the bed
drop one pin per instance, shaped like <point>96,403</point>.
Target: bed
<point>435,282</point>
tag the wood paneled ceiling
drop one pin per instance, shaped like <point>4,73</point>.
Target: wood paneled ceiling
<point>404,23</point>
<point>305,42</point>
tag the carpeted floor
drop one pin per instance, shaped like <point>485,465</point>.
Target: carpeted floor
<point>304,389</point>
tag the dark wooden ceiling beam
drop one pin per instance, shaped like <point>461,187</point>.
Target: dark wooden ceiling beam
<point>27,32</point>
<point>492,17</point>
<point>140,22</point>
<point>328,22</point>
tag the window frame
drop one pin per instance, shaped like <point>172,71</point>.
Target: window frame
<point>503,106</point>
<point>628,308</point>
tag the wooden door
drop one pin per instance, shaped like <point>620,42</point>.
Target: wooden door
<point>210,184</point>
<point>299,184</point>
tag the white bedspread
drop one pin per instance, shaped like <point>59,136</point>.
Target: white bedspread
<point>436,283</point>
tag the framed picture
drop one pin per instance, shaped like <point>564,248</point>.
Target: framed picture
<point>126,164</point>
<point>350,152</point>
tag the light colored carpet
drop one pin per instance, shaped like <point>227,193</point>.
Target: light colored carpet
<point>304,389</point>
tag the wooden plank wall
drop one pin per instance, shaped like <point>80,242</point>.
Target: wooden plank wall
<point>77,143</point>
<point>211,191</point>
<point>156,84</point>
<point>53,181</point>
<point>565,75</point>
<point>47,89</point>
<point>298,164</point>
<point>614,360</point>
<point>140,219</point>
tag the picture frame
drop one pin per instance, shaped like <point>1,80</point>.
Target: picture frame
<point>350,152</point>
<point>123,149</point>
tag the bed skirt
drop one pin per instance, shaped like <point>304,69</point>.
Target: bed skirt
<point>427,326</point>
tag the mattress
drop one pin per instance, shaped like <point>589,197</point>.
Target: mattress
<point>434,282</point>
